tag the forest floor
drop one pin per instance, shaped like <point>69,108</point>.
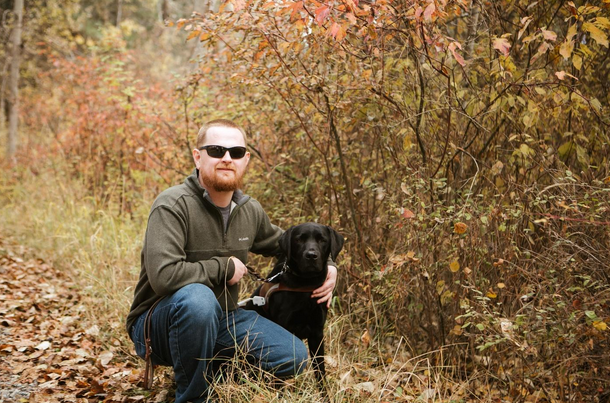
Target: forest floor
<point>50,351</point>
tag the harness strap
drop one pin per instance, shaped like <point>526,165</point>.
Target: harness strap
<point>149,371</point>
<point>268,289</point>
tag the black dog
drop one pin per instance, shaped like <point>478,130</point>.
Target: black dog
<point>302,267</point>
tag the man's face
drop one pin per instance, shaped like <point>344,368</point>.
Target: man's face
<point>221,174</point>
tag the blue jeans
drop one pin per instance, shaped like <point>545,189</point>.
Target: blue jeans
<point>189,327</point>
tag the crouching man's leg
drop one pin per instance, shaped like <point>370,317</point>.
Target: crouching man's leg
<point>184,329</point>
<point>268,345</point>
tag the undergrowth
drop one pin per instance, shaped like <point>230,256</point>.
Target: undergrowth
<point>101,251</point>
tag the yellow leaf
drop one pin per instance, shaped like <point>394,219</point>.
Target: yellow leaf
<point>454,266</point>
<point>571,32</point>
<point>440,286</point>
<point>599,325</point>
<point>602,22</point>
<point>577,62</point>
<point>566,49</point>
<point>460,228</point>
<point>600,36</point>
<point>501,285</point>
<point>491,294</point>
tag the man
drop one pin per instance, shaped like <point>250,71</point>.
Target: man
<point>193,258</point>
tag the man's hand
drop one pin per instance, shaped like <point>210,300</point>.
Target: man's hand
<point>240,271</point>
<point>325,291</point>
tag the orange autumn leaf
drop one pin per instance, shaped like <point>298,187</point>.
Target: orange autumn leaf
<point>454,266</point>
<point>460,228</point>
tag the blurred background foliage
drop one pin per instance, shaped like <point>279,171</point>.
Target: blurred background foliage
<point>460,146</point>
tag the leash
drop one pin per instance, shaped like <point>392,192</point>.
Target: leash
<point>261,300</point>
<point>258,277</point>
<point>149,371</point>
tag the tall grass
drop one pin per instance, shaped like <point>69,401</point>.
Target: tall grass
<point>54,216</point>
<point>100,249</point>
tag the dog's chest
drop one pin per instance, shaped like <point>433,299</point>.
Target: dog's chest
<point>297,312</point>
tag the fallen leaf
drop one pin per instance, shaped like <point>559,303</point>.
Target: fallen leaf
<point>498,262</point>
<point>460,228</point>
<point>43,346</point>
<point>366,338</point>
<point>406,213</point>
<point>454,266</point>
<point>93,330</point>
<point>105,358</point>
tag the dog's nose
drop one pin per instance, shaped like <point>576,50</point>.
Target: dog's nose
<point>311,254</point>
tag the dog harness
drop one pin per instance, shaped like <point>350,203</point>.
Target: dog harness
<point>268,289</point>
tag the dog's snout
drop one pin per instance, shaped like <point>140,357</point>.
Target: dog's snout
<point>311,254</point>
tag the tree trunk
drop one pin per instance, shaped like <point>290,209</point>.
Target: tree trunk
<point>13,83</point>
<point>3,104</point>
<point>164,10</point>
<point>119,12</point>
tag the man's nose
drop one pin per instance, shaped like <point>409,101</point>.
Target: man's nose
<point>227,156</point>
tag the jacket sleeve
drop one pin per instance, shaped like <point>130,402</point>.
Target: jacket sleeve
<point>164,255</point>
<point>268,235</point>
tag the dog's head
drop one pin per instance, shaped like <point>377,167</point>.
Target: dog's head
<point>307,248</point>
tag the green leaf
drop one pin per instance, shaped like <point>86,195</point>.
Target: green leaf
<point>591,315</point>
<point>565,149</point>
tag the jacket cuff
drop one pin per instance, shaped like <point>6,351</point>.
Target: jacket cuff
<point>229,269</point>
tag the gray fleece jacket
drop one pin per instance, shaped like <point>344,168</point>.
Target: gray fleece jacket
<point>186,243</point>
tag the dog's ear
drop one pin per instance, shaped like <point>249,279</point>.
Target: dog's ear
<point>336,242</point>
<point>284,242</point>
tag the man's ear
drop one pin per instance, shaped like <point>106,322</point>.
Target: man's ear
<point>196,157</point>
<point>336,242</point>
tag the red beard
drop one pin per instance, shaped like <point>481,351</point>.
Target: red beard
<point>222,184</point>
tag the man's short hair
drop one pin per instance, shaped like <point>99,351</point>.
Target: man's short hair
<point>218,123</point>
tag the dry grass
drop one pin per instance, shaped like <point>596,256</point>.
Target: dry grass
<point>54,217</point>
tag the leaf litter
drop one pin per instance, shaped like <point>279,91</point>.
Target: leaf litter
<point>49,352</point>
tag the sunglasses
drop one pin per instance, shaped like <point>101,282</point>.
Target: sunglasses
<point>220,151</point>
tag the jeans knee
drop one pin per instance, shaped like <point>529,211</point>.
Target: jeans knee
<point>198,303</point>
<point>294,361</point>
<point>301,356</point>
